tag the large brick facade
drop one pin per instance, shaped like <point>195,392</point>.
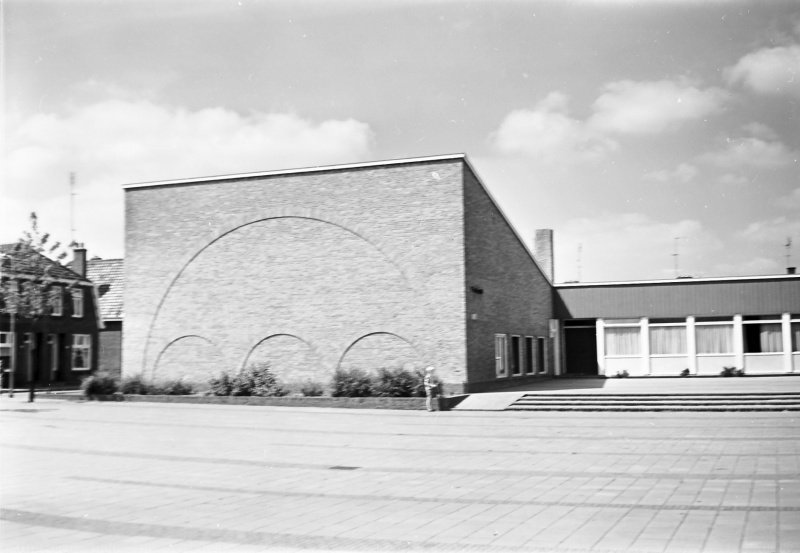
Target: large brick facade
<point>356,266</point>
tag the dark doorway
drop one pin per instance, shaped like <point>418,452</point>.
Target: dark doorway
<point>580,348</point>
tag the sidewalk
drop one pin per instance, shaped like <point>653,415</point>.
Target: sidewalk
<point>89,476</point>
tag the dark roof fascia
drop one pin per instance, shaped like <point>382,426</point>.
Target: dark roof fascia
<point>672,282</point>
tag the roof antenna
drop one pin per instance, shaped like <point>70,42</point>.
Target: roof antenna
<point>72,207</point>
<point>675,255</point>
<point>580,251</point>
<point>788,246</point>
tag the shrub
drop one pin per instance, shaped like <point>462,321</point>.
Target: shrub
<point>172,388</point>
<point>221,386</point>
<point>351,383</point>
<point>622,374</point>
<point>134,385</point>
<point>396,383</point>
<point>255,380</point>
<point>310,388</point>
<point>685,372</point>
<point>731,371</point>
<point>99,384</point>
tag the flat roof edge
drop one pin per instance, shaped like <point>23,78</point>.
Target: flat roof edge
<point>298,171</point>
<point>673,281</point>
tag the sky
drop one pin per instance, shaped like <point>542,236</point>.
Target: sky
<point>636,130</point>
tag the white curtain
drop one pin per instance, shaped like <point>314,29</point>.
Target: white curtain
<point>770,338</point>
<point>666,340</point>
<point>622,341</point>
<point>714,339</point>
<point>795,336</point>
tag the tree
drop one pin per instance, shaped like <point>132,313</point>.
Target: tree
<point>30,267</point>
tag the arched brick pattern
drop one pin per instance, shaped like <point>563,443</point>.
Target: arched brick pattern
<point>380,350</point>
<point>290,358</point>
<point>192,358</point>
<point>287,275</point>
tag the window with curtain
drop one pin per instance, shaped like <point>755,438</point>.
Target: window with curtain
<point>795,336</point>
<point>500,355</point>
<point>622,341</point>
<point>714,339</point>
<point>763,338</point>
<point>668,340</point>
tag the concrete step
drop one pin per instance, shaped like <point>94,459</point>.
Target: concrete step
<point>658,402</point>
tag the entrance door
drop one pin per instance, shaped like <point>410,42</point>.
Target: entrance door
<point>580,348</point>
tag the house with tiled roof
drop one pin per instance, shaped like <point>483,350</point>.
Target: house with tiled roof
<point>52,341</point>
<point>109,279</point>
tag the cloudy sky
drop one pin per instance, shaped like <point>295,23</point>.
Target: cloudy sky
<point>631,128</point>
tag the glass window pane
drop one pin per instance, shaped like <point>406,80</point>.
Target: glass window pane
<point>763,338</point>
<point>714,339</point>
<point>622,341</point>
<point>666,340</point>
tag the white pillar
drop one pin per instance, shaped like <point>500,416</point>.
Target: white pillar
<point>786,334</point>
<point>555,335</point>
<point>600,338</point>
<point>691,345</point>
<point>738,341</point>
<point>644,336</point>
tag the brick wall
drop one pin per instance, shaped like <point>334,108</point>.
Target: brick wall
<point>110,347</point>
<point>300,268</point>
<point>516,297</point>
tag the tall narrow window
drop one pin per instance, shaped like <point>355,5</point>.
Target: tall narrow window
<point>516,356</point>
<point>77,303</point>
<point>53,343</point>
<point>81,352</point>
<point>56,301</point>
<point>6,345</point>
<point>796,337</point>
<point>500,355</point>
<point>540,357</point>
<point>529,368</point>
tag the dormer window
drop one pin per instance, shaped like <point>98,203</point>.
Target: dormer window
<point>77,303</point>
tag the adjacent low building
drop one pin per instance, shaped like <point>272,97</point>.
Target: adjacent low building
<point>408,263</point>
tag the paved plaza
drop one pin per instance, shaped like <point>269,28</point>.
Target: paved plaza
<point>91,476</point>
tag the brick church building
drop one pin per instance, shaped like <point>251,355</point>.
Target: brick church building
<point>404,263</point>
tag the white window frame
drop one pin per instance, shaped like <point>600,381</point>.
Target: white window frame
<point>56,301</point>
<point>612,325</point>
<point>728,324</point>
<point>530,353</point>
<point>651,326</point>
<point>501,355</point>
<point>82,342</point>
<point>77,303</point>
<point>796,347</point>
<point>776,321</point>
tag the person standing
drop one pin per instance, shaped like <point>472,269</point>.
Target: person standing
<point>431,387</point>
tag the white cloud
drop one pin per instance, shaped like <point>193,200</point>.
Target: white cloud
<point>772,231</point>
<point>548,133</point>
<point>751,151</point>
<point>648,107</point>
<point>790,201</point>
<point>608,240</point>
<point>683,173</point>
<point>117,142</point>
<point>772,71</point>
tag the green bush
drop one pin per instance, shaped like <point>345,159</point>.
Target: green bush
<point>139,385</point>
<point>351,383</point>
<point>622,374</point>
<point>255,380</point>
<point>309,388</point>
<point>99,384</point>
<point>398,383</point>
<point>134,385</point>
<point>685,372</point>
<point>731,371</point>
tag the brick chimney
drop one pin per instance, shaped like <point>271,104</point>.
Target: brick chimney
<point>79,260</point>
<point>543,251</point>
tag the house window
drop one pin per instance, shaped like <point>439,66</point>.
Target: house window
<point>53,343</point>
<point>529,355</point>
<point>668,340</point>
<point>81,352</point>
<point>540,362</point>
<point>762,337</point>
<point>6,345</point>
<point>516,356</point>
<point>714,339</point>
<point>56,301</point>
<point>500,355</point>
<point>796,337</point>
<point>622,341</point>
<point>77,303</point>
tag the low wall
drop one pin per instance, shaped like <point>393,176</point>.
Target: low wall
<point>402,403</point>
